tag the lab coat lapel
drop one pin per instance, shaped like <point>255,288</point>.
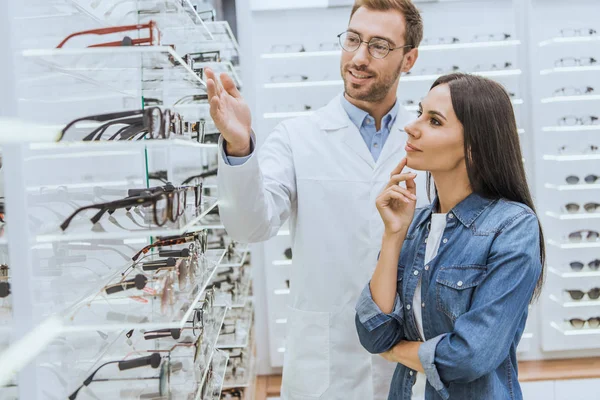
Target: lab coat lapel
<point>334,120</point>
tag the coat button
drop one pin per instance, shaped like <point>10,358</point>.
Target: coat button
<point>460,283</point>
<point>416,273</point>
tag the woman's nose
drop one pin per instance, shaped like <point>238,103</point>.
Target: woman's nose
<point>412,130</point>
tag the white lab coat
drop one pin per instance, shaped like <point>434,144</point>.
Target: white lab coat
<point>318,171</point>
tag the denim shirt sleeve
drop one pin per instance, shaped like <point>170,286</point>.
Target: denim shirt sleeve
<point>482,336</point>
<point>235,161</point>
<point>378,332</point>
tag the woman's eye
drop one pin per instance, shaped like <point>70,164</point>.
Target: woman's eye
<point>435,122</point>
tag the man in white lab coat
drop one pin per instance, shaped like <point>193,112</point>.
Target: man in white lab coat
<point>324,172</point>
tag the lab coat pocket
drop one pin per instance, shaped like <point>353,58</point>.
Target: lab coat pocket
<point>455,286</point>
<point>306,363</point>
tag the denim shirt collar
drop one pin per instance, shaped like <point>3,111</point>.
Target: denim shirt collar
<point>466,211</point>
<point>357,116</point>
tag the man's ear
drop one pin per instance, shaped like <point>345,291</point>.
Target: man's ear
<point>410,59</point>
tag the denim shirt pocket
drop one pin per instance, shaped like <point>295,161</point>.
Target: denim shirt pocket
<point>455,286</point>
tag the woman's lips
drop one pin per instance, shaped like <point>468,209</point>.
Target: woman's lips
<point>411,148</point>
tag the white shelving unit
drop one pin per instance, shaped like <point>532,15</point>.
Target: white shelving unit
<point>59,322</point>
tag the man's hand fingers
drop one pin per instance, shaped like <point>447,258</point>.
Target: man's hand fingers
<point>229,86</point>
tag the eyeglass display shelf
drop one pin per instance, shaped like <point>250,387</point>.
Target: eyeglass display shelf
<point>565,99</point>
<point>574,332</point>
<point>426,48</point>
<point>219,362</point>
<point>574,157</point>
<point>281,263</point>
<point>561,70</point>
<point>246,317</point>
<point>20,353</point>
<point>582,245</point>
<point>570,40</point>
<point>581,186</point>
<point>583,128</point>
<point>575,304</point>
<point>238,259</point>
<point>222,67</point>
<point>81,227</point>
<point>574,216</point>
<point>410,78</point>
<point>246,380</point>
<point>119,69</point>
<point>223,299</point>
<point>574,275</point>
<point>101,314</point>
<point>116,145</point>
<point>222,34</point>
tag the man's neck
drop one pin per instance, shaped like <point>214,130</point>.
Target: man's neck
<point>375,110</point>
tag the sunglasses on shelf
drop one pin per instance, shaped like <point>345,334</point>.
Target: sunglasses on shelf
<point>583,235</point>
<point>593,294</point>
<point>152,39</point>
<point>574,180</point>
<point>573,208</point>
<point>4,284</point>
<point>577,266</point>
<point>578,323</point>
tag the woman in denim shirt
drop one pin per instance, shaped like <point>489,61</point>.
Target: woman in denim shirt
<point>451,312</point>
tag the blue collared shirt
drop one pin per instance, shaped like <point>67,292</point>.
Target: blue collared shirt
<point>365,123</point>
<point>475,295</point>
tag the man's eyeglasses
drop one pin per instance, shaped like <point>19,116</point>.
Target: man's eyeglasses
<point>153,37</point>
<point>378,48</point>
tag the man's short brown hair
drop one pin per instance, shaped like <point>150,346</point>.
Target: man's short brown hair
<point>412,16</point>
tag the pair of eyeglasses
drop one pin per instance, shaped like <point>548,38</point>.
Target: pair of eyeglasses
<point>577,295</point>
<point>492,37</point>
<point>572,120</point>
<point>575,62</point>
<point>579,323</point>
<point>591,148</point>
<point>577,266</point>
<point>569,32</point>
<point>583,236</point>
<point>377,47</point>
<point>288,48</point>
<point>440,40</point>
<point>167,203</point>
<point>493,67</point>
<point>198,238</point>
<point>150,123</point>
<point>288,78</point>
<point>4,283</point>
<point>574,91</point>
<point>153,360</point>
<point>201,57</point>
<point>574,179</point>
<point>573,208</point>
<point>193,98</point>
<point>434,70</point>
<point>153,38</point>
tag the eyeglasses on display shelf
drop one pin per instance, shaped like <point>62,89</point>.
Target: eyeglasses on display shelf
<point>575,62</point>
<point>579,323</point>
<point>152,39</point>
<point>574,208</point>
<point>574,91</point>
<point>592,294</point>
<point>583,235</point>
<point>578,266</point>
<point>577,32</point>
<point>572,120</point>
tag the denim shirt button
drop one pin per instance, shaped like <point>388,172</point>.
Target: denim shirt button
<point>411,373</point>
<point>445,240</point>
<point>408,306</point>
<point>460,283</point>
<point>450,215</point>
<point>427,268</point>
<point>416,273</point>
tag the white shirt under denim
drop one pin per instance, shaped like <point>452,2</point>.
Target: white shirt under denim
<point>436,230</point>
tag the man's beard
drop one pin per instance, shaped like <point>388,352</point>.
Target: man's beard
<point>377,90</point>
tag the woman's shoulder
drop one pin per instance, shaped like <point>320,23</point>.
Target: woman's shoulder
<point>507,212</point>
